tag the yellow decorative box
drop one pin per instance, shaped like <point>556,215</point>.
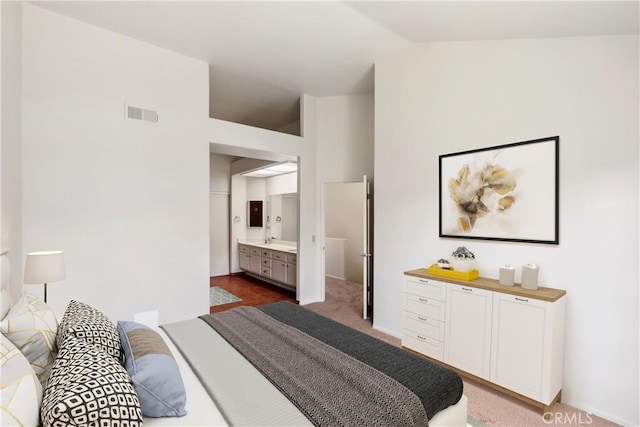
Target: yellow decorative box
<point>452,274</point>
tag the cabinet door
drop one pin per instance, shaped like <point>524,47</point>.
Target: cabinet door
<point>255,264</point>
<point>244,261</point>
<point>292,274</point>
<point>518,345</point>
<point>467,343</point>
<point>278,271</point>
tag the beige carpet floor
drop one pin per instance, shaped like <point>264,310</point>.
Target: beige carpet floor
<point>343,303</point>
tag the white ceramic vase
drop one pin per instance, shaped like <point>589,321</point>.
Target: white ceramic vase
<point>462,265</point>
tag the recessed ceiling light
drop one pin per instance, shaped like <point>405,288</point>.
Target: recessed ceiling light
<point>273,170</point>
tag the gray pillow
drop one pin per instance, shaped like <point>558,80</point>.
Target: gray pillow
<point>153,370</point>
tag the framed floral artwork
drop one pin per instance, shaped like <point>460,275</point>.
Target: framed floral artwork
<point>507,192</point>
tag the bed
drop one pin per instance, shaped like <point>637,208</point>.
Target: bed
<point>221,386</point>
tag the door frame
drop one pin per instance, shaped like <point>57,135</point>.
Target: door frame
<point>322,269</point>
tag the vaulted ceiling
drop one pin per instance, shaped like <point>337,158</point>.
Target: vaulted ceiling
<point>264,54</point>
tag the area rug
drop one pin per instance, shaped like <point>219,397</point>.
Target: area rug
<point>472,422</point>
<point>218,296</point>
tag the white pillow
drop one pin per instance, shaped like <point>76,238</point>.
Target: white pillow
<point>5,303</point>
<point>21,392</point>
<point>31,326</point>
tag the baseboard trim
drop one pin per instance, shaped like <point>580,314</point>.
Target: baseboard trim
<point>385,331</point>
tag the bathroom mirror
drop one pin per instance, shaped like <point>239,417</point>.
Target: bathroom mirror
<point>282,217</point>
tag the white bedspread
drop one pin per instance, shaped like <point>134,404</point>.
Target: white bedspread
<point>201,411</point>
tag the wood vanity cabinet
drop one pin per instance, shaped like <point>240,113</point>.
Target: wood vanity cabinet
<point>284,268</point>
<point>250,259</point>
<point>273,266</point>
<point>506,337</point>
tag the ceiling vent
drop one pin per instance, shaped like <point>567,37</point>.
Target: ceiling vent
<point>137,113</point>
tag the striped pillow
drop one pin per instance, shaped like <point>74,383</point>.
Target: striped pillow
<point>153,370</point>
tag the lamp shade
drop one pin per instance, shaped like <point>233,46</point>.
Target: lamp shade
<point>44,267</point>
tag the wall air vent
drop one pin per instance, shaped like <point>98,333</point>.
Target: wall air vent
<point>137,113</point>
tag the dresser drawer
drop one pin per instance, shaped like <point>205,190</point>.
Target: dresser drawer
<point>423,344</point>
<point>424,326</point>
<point>426,307</point>
<point>266,262</point>
<point>426,288</point>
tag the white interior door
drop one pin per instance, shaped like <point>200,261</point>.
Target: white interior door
<point>367,256</point>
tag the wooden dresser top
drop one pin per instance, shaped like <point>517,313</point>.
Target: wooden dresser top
<point>542,293</point>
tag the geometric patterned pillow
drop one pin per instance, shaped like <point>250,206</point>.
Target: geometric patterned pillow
<point>31,326</point>
<point>87,387</point>
<point>20,389</point>
<point>86,323</point>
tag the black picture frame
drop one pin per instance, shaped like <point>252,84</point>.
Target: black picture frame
<point>505,193</point>
<point>255,213</point>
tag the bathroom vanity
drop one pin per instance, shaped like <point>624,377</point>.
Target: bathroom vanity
<point>272,262</point>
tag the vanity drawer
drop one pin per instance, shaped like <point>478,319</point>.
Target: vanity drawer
<point>265,271</point>
<point>425,307</point>
<point>254,251</point>
<point>265,253</point>
<point>266,262</point>
<point>428,288</point>
<point>292,258</point>
<point>244,249</point>
<point>280,256</point>
<point>425,326</point>
<point>423,344</point>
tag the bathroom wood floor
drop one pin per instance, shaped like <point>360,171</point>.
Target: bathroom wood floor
<point>252,291</point>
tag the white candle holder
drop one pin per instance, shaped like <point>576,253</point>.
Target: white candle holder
<point>530,276</point>
<point>507,275</point>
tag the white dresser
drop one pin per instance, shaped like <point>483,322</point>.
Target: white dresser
<point>506,337</point>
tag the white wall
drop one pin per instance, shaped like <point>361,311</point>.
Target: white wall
<point>289,223</point>
<point>11,135</point>
<point>345,137</point>
<point>238,218</point>
<point>126,201</point>
<point>447,97</point>
<point>282,184</point>
<point>219,208</point>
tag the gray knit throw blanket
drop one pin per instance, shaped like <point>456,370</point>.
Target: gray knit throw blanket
<point>328,386</point>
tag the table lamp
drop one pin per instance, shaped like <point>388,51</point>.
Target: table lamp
<point>44,267</point>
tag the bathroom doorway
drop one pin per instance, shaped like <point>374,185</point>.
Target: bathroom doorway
<point>223,204</point>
